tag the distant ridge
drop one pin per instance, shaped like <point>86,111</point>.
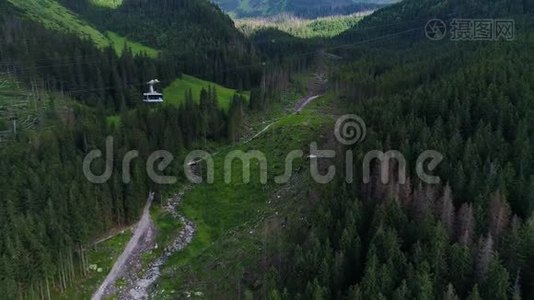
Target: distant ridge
<point>300,8</point>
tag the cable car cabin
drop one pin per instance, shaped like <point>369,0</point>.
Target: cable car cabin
<point>152,96</point>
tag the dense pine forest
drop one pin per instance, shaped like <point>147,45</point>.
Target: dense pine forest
<point>468,237</point>
<point>195,36</point>
<point>47,221</point>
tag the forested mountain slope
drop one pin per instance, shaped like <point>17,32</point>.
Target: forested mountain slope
<point>301,8</point>
<point>223,56</point>
<point>468,237</point>
<point>55,60</point>
<point>413,15</point>
<point>49,211</point>
<point>53,15</point>
<point>194,35</point>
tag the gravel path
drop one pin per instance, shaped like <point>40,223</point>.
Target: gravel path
<point>142,228</point>
<point>139,286</point>
<point>305,101</point>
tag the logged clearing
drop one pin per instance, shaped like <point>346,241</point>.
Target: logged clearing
<point>303,28</point>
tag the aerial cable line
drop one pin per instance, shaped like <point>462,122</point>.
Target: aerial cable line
<point>256,42</point>
<point>37,67</point>
<point>384,37</point>
<point>229,69</point>
<point>13,63</point>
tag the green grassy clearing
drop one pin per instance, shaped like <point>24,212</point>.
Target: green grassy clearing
<point>114,120</point>
<point>53,15</point>
<point>228,214</point>
<point>107,3</point>
<point>119,43</point>
<point>175,93</point>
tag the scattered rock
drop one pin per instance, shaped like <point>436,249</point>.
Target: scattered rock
<point>138,288</point>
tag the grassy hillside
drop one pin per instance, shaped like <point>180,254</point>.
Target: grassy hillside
<point>53,15</point>
<point>194,35</point>
<point>230,235</point>
<point>175,92</point>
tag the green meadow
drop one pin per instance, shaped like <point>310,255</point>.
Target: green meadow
<point>119,43</point>
<point>175,92</point>
<point>107,3</point>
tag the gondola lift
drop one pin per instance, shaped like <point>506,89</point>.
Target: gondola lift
<point>152,96</point>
